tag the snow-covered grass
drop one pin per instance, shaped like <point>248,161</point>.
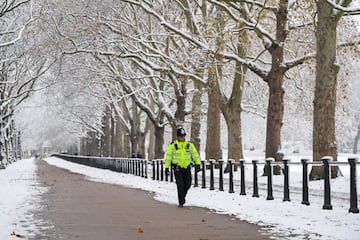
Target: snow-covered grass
<point>20,193</point>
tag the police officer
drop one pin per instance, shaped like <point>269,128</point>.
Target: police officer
<point>179,155</point>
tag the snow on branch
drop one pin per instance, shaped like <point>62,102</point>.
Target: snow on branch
<point>346,10</point>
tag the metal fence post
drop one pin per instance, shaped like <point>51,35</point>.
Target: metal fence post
<point>255,179</point>
<point>269,179</point>
<point>353,195</point>
<point>157,170</point>
<point>221,175</point>
<point>286,180</point>
<point>162,170</point>
<point>196,177</point>
<point>242,178</point>
<point>231,176</point>
<point>142,168</point>
<point>171,172</point>
<point>327,189</point>
<point>139,167</point>
<point>203,182</point>
<point>153,169</point>
<point>133,167</point>
<point>305,182</point>
<point>212,174</point>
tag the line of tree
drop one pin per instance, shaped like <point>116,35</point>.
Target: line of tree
<point>139,68</point>
<point>21,65</point>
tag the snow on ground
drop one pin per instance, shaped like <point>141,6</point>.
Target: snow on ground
<point>284,220</point>
<point>20,199</point>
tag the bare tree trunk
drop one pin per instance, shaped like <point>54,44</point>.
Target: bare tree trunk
<point>180,113</point>
<point>232,108</point>
<point>83,146</point>
<point>275,81</point>
<point>159,142</point>
<point>134,129</point>
<point>196,116</point>
<point>106,144</point>
<point>213,147</point>
<point>274,120</point>
<point>324,142</point>
<point>151,146</point>
<point>118,138</point>
<point>141,145</point>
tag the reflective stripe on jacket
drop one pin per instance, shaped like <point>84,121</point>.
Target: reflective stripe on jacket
<point>181,154</point>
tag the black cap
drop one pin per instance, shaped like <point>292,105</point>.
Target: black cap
<point>181,132</point>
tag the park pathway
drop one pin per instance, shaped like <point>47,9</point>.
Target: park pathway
<point>84,210</point>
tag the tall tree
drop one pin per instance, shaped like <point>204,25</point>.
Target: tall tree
<point>324,141</point>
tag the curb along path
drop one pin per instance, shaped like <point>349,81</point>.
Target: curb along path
<point>86,210</point>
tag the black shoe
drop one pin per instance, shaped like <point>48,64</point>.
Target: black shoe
<point>180,206</point>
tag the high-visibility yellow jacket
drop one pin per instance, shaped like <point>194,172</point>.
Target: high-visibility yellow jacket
<point>181,154</point>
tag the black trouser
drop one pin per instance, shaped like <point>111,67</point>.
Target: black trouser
<point>183,182</point>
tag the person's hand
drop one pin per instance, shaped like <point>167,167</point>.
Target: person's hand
<point>167,172</point>
<point>197,168</point>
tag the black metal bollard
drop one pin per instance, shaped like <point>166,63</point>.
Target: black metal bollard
<point>137,167</point>
<point>286,181</point>
<point>269,179</point>
<point>171,173</point>
<point>231,176</point>
<point>162,170</point>
<point>157,170</point>
<point>242,177</point>
<point>196,184</point>
<point>203,182</point>
<point>255,179</point>
<point>133,167</point>
<point>353,195</point>
<point>167,176</point>
<point>221,175</point>
<point>142,168</point>
<point>153,169</point>
<point>327,190</point>
<point>211,161</point>
<point>305,181</point>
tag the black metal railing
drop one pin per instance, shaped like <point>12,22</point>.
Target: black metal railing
<point>140,167</point>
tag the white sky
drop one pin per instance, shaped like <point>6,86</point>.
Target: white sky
<point>21,197</point>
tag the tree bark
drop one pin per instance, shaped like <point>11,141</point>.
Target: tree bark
<point>275,81</point>
<point>213,147</point>
<point>324,142</point>
<point>159,142</point>
<point>232,108</point>
<point>151,146</point>
<point>180,113</point>
<point>107,129</point>
<point>119,138</point>
<point>196,116</point>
